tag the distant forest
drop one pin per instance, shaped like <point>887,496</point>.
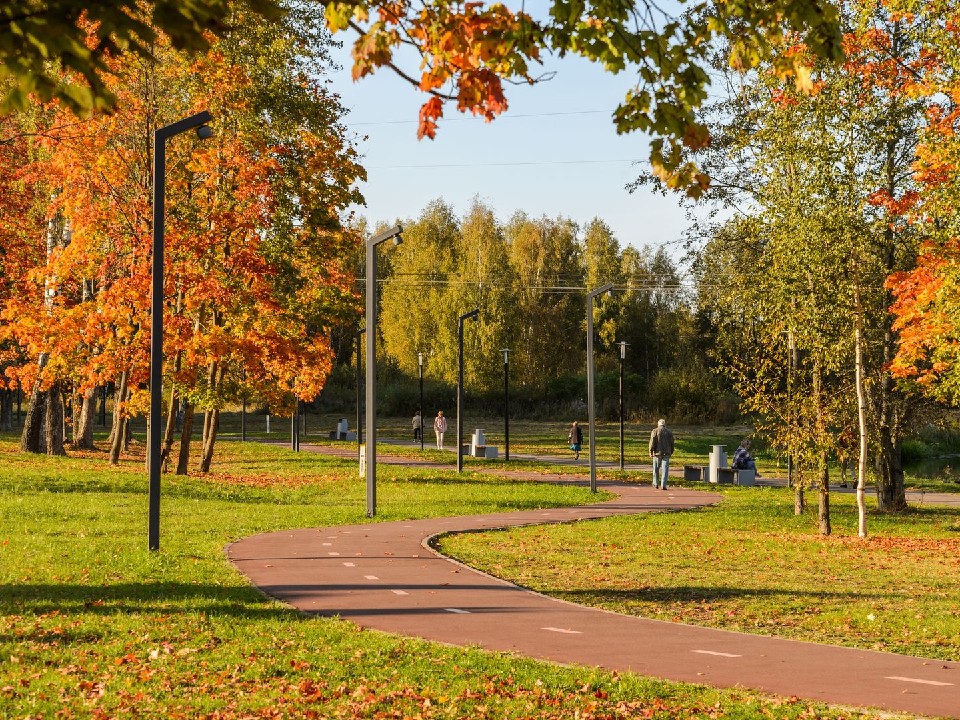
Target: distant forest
<point>529,278</point>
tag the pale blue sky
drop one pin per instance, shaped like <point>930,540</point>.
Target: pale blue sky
<point>554,152</point>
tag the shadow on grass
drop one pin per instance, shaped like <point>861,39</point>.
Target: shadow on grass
<point>126,598</point>
<point>710,594</point>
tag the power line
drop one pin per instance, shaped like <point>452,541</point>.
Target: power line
<point>503,164</point>
<point>544,289</point>
<point>479,119</point>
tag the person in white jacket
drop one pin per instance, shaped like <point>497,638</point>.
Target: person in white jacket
<point>440,427</point>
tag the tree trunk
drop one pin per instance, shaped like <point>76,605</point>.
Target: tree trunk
<point>183,461</point>
<point>119,431</point>
<point>823,495</point>
<point>168,431</point>
<point>891,492</point>
<point>211,418</point>
<point>53,421</point>
<point>30,438</point>
<point>799,502</point>
<point>209,438</point>
<point>862,419</point>
<point>6,409</point>
<point>83,426</point>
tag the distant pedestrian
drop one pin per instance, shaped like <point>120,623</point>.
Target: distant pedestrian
<point>575,439</point>
<point>661,448</point>
<point>440,427</point>
<point>417,423</point>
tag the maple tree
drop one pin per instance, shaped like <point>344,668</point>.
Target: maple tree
<point>467,51</point>
<point>928,357</point>
<point>21,227</point>
<point>254,242</point>
<point>41,38</point>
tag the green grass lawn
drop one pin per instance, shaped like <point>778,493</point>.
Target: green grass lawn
<point>92,625</point>
<point>750,564</point>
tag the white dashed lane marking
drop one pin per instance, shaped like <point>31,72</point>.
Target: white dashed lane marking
<point>371,577</point>
<point>561,630</point>
<point>918,680</point>
<point>718,654</point>
<point>399,592</point>
<point>349,565</point>
<point>333,554</point>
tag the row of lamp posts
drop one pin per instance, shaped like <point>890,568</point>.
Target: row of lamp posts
<point>200,122</point>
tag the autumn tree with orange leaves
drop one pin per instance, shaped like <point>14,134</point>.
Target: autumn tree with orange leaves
<point>466,52</point>
<point>928,297</point>
<point>21,225</point>
<point>254,239</point>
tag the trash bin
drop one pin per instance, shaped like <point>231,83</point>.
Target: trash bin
<point>718,459</point>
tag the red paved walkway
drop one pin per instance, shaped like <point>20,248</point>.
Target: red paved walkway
<point>384,576</point>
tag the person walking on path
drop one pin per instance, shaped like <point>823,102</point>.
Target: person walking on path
<point>440,427</point>
<point>661,448</point>
<point>575,439</point>
<point>417,425</point>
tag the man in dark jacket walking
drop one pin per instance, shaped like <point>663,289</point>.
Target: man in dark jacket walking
<point>661,448</point>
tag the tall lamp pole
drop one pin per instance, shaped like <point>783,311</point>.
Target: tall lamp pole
<point>359,393</point>
<point>506,402</point>
<point>160,137</point>
<point>472,314</point>
<point>371,270</point>
<point>422,415</point>
<point>590,409</point>
<point>623,355</point>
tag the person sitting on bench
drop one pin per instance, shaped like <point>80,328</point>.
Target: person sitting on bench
<point>742,460</point>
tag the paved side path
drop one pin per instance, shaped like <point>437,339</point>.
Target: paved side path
<point>385,576</point>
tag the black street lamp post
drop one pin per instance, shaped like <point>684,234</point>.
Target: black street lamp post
<point>359,394</point>
<point>295,426</point>
<point>371,288</point>
<point>590,404</point>
<point>422,415</point>
<point>623,355</point>
<point>472,314</point>
<point>506,402</point>
<point>160,137</point>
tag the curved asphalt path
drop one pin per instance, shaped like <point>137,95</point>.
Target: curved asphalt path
<point>385,576</point>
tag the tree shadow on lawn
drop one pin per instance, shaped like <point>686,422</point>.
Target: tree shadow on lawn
<point>164,598</point>
<point>713,594</point>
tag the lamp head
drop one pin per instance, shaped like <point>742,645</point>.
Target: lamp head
<point>204,132</point>
<point>397,240</point>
